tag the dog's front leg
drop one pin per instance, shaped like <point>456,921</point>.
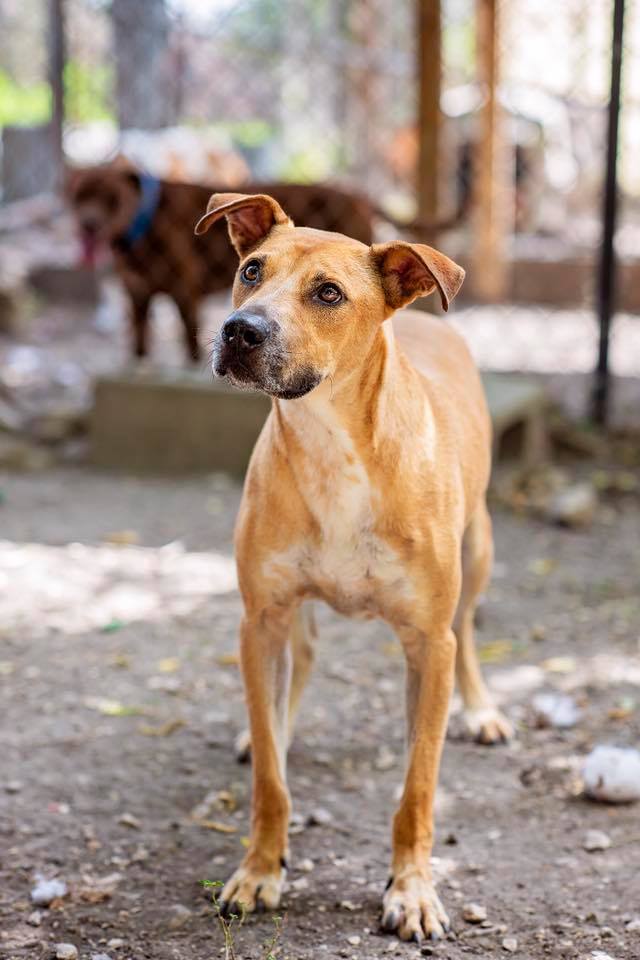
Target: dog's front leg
<point>266,669</point>
<point>411,906</point>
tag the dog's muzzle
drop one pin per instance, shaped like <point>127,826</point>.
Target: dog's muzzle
<point>249,352</point>
<point>242,347</point>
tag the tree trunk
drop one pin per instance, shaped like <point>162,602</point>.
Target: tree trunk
<point>141,33</point>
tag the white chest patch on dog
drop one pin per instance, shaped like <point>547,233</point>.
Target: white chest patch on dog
<point>348,565</point>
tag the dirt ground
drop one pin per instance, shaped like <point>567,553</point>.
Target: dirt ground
<point>121,699</point>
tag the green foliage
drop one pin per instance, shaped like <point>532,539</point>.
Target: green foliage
<point>88,95</point>
<point>88,92</point>
<point>250,133</point>
<point>312,165</point>
<point>23,105</point>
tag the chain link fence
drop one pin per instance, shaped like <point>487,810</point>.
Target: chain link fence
<point>231,92</point>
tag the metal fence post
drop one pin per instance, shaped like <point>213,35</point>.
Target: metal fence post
<point>56,82</point>
<point>607,268</point>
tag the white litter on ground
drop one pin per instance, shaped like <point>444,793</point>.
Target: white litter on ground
<point>612,774</point>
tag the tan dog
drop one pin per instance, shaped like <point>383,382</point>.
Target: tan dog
<point>366,489</point>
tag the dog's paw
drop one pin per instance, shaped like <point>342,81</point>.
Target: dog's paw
<point>487,725</point>
<point>242,747</point>
<point>411,908</point>
<point>252,888</point>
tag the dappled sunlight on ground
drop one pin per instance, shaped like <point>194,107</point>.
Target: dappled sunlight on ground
<point>80,587</point>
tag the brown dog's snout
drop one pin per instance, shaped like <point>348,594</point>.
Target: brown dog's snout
<point>90,224</point>
<point>245,330</point>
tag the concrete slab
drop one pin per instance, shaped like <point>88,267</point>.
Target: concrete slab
<point>170,423</point>
<point>518,402</point>
<point>173,424</point>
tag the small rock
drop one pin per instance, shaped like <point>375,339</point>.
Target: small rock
<point>46,891</point>
<point>300,884</point>
<point>555,710</point>
<point>633,926</point>
<point>128,820</point>
<point>66,951</point>
<point>355,940</point>
<point>474,913</point>
<point>538,632</point>
<point>612,774</point>
<point>100,956</point>
<point>320,817</point>
<point>115,943</point>
<point>385,760</point>
<point>13,786</point>
<point>306,865</point>
<point>349,905</point>
<point>510,944</point>
<point>596,840</point>
<point>179,916</point>
<point>35,918</point>
<point>574,506</point>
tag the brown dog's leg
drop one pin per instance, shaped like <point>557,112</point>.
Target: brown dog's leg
<point>266,669</point>
<point>484,721</point>
<point>140,325</point>
<point>189,315</point>
<point>302,633</point>
<point>411,906</point>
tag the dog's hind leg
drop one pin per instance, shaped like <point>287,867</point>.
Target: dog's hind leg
<point>301,635</point>
<point>482,718</point>
<point>140,324</point>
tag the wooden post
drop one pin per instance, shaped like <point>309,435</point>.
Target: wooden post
<point>429,117</point>
<point>493,180</point>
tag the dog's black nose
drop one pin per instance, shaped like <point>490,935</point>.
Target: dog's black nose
<point>245,331</point>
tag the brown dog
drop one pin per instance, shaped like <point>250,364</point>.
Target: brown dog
<point>366,489</point>
<point>148,224</point>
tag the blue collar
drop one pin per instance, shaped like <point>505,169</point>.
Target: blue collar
<point>150,188</point>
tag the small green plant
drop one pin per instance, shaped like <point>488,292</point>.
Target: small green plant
<point>271,945</point>
<point>230,923</point>
<point>226,924</point>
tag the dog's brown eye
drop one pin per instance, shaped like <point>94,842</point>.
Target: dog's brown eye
<point>251,273</point>
<point>329,293</point>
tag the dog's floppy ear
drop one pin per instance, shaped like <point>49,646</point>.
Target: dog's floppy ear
<point>249,218</point>
<point>410,270</point>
